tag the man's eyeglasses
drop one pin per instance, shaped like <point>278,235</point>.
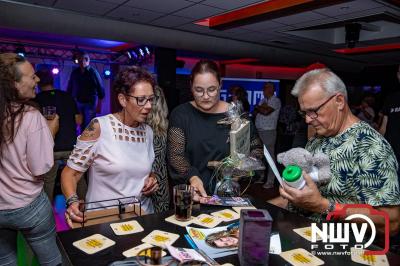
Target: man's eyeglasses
<point>142,100</point>
<point>211,92</point>
<point>313,114</point>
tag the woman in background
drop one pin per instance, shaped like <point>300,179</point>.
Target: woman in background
<point>26,153</point>
<point>239,94</point>
<point>158,121</point>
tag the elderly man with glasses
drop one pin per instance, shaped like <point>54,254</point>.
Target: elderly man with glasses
<point>363,166</point>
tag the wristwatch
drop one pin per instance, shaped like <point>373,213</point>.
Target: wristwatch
<point>331,208</point>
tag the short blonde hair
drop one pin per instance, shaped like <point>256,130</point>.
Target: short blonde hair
<point>157,118</point>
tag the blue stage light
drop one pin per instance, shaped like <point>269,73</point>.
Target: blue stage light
<point>107,73</point>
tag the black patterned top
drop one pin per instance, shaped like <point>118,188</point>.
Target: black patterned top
<point>161,197</point>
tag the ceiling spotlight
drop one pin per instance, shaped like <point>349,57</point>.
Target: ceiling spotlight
<point>147,50</point>
<point>129,54</point>
<point>141,52</point>
<point>132,54</point>
<point>55,70</point>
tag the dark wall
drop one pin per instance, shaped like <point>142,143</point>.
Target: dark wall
<point>165,67</point>
<point>383,76</point>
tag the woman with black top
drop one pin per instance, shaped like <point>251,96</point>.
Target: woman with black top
<point>194,135</point>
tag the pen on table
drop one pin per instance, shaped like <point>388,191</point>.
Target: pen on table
<point>236,224</point>
<point>190,241</point>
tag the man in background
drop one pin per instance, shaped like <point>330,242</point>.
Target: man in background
<point>267,114</point>
<point>64,105</point>
<point>85,86</point>
<point>390,127</point>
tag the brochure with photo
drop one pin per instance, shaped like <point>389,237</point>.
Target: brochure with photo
<point>226,201</point>
<point>216,242</point>
<point>224,240</point>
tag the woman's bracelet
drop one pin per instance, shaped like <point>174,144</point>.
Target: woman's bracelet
<point>73,198</point>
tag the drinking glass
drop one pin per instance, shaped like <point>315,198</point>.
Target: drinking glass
<point>183,201</point>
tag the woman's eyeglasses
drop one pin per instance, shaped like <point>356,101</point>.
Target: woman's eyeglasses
<point>211,92</point>
<point>142,100</point>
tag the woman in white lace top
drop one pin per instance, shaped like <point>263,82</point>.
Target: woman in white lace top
<point>116,149</point>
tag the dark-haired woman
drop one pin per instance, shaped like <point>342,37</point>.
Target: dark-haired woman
<point>26,153</point>
<point>239,94</point>
<point>116,149</point>
<point>194,135</point>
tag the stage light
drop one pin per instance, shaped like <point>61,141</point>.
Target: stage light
<point>141,52</point>
<point>107,73</point>
<point>20,50</point>
<point>134,54</point>
<point>55,71</point>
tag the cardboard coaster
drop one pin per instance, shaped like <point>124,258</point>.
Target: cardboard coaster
<point>302,257</point>
<point>93,244</point>
<point>160,238</point>
<point>305,232</point>
<point>226,215</point>
<point>357,255</point>
<point>207,220</point>
<point>135,250</point>
<point>126,228</point>
<point>172,219</point>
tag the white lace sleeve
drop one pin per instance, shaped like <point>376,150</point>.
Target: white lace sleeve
<point>82,156</point>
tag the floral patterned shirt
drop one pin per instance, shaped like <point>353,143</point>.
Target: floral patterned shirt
<point>363,168</point>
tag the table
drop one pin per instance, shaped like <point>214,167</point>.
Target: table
<point>284,223</point>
